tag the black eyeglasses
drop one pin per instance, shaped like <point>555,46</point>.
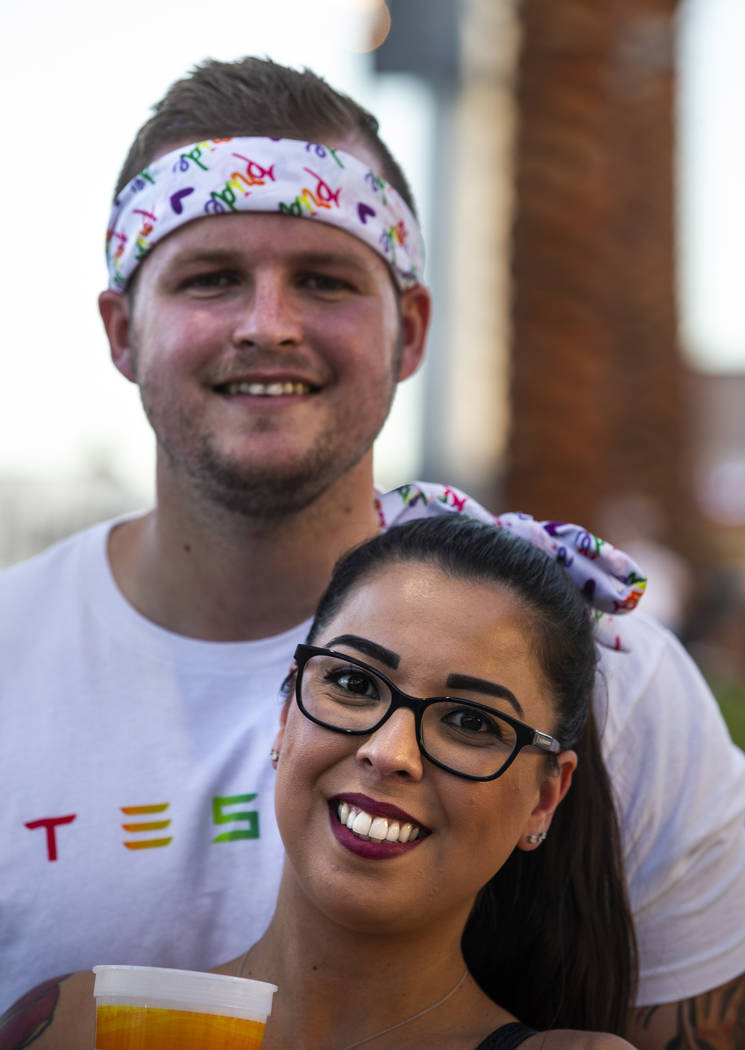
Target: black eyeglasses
<point>469,739</point>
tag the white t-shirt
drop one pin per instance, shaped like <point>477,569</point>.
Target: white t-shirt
<point>137,819</point>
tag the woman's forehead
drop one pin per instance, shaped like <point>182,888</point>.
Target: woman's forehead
<point>417,608</point>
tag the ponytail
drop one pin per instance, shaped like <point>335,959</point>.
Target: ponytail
<point>551,934</point>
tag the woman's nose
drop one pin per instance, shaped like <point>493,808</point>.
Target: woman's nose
<point>393,749</point>
<point>269,317</point>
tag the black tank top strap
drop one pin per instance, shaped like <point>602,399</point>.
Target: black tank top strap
<point>507,1037</point>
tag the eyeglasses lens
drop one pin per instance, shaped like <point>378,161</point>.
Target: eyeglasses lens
<point>462,736</point>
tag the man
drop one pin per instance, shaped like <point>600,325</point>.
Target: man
<point>142,658</point>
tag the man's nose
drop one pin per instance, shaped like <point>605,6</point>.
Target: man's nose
<point>393,749</point>
<point>269,316</point>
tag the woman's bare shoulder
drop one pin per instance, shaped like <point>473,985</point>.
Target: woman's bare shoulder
<point>59,1014</point>
<point>566,1039</point>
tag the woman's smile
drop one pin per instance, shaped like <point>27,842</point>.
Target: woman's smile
<point>359,821</point>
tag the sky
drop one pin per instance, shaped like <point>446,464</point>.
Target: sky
<point>78,78</point>
<point>711,183</point>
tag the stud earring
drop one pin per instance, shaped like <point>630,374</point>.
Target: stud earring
<point>274,755</point>
<point>535,839</point>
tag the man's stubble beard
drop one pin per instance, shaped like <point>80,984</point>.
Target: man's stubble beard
<point>255,492</point>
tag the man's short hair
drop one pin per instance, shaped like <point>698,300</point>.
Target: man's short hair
<point>256,96</point>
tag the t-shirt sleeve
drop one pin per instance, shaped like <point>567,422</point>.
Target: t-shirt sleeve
<point>680,787</point>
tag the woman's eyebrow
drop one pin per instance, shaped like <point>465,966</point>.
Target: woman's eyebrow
<point>481,685</point>
<point>364,645</point>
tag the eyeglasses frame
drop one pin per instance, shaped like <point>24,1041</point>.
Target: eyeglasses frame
<point>526,736</point>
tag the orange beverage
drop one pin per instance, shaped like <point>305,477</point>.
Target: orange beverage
<point>149,1008</point>
<point>145,1028</point>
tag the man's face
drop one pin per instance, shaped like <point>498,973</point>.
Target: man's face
<point>267,349</point>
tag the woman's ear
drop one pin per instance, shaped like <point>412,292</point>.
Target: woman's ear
<point>277,745</point>
<point>553,789</point>
<point>114,308</point>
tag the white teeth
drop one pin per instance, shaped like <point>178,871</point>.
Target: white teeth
<point>362,823</point>
<point>376,828</point>
<point>274,389</point>
<point>392,833</point>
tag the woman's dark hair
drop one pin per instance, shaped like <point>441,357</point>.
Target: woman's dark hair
<point>550,936</point>
<point>255,96</point>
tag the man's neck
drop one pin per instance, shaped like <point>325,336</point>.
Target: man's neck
<point>228,577</point>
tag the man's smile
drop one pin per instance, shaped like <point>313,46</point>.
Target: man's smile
<point>276,388</point>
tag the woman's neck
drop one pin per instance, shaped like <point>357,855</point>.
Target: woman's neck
<point>338,986</point>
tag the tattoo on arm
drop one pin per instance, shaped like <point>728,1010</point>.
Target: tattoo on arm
<point>714,1020</point>
<point>30,1016</point>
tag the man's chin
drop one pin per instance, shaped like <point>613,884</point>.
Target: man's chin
<point>265,494</point>
<point>268,502</point>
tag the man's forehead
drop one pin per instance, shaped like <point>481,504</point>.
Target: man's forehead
<point>243,236</point>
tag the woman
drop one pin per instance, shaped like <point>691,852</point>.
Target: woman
<point>396,810</point>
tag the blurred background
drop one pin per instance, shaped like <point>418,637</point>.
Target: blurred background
<point>579,171</point>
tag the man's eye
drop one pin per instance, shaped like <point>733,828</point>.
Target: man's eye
<point>322,282</point>
<point>210,281</point>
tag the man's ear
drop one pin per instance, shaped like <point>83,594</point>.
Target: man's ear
<point>416,310</point>
<point>115,310</point>
<point>552,790</point>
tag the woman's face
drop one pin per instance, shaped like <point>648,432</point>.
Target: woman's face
<point>422,629</point>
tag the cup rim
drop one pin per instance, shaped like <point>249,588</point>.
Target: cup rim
<point>183,987</point>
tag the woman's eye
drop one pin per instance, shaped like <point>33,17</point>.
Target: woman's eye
<point>355,682</point>
<point>468,721</point>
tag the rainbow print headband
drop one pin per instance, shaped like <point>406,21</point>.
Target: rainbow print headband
<point>303,179</point>
<point>611,582</point>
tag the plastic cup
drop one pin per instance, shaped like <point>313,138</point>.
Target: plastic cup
<point>149,1008</point>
